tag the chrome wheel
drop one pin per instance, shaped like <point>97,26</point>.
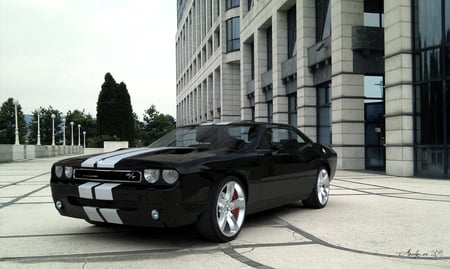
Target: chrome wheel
<point>323,186</point>
<point>230,209</point>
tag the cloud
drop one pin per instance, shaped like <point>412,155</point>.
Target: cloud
<point>57,52</point>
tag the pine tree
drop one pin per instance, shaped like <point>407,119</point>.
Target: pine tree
<point>114,111</point>
<point>8,123</point>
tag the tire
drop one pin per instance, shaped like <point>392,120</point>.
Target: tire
<point>223,219</point>
<point>321,191</point>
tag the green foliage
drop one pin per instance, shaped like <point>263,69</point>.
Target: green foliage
<point>156,125</point>
<point>114,111</point>
<point>8,123</point>
<point>45,126</point>
<point>88,125</point>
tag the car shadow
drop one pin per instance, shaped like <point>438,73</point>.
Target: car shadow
<point>188,236</point>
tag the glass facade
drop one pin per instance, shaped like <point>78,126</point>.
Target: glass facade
<point>269,48</point>
<point>324,114</point>
<point>431,46</point>
<point>323,20</point>
<point>374,126</point>
<point>233,34</point>
<point>373,13</point>
<point>232,3</point>
<point>292,31</point>
<point>292,109</point>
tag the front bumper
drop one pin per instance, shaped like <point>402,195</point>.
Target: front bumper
<point>129,204</point>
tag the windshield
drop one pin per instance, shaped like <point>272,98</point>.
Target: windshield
<point>210,136</point>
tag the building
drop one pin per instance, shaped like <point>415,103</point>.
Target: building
<point>368,77</point>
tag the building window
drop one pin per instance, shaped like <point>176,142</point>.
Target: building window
<point>269,48</point>
<point>218,8</point>
<point>374,139</point>
<point>323,20</point>
<point>373,13</point>
<point>251,101</point>
<point>324,114</point>
<point>292,32</point>
<point>431,84</point>
<point>250,4</point>
<point>252,59</point>
<point>233,35</point>
<point>270,111</point>
<point>232,4</point>
<point>292,109</point>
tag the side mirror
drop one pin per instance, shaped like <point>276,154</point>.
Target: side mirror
<point>277,147</point>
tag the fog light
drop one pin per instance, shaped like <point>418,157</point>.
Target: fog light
<point>155,214</point>
<point>59,205</point>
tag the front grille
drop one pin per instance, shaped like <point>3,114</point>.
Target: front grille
<point>107,175</point>
<point>123,205</point>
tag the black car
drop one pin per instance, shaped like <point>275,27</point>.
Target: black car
<point>211,175</point>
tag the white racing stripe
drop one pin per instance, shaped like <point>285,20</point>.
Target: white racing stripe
<point>93,160</point>
<point>111,162</point>
<point>110,215</point>
<point>85,190</point>
<point>92,213</point>
<point>104,191</point>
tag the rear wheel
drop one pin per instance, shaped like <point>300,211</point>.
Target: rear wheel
<point>224,217</point>
<point>321,191</point>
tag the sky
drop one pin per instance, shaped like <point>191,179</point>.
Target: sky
<point>57,52</point>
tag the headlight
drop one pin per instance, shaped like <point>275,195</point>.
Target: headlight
<point>58,171</point>
<point>151,175</point>
<point>68,171</point>
<point>170,176</point>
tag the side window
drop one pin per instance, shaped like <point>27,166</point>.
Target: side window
<point>287,138</point>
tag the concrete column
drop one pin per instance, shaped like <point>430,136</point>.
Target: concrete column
<point>279,45</point>
<point>306,92</point>
<point>210,104</point>
<point>398,88</point>
<point>217,100</point>
<point>246,66</point>
<point>347,89</point>
<point>204,115</point>
<point>260,68</point>
<point>230,92</point>
<point>203,19</point>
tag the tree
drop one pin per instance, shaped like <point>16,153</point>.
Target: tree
<point>8,123</point>
<point>139,129</point>
<point>156,125</point>
<point>88,125</point>
<point>45,126</point>
<point>114,111</point>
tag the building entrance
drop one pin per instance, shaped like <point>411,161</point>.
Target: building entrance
<point>374,126</point>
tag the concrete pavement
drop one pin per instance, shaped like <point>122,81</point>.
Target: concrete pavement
<point>371,221</point>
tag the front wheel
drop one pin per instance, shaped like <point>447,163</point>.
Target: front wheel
<point>321,192</point>
<point>224,217</point>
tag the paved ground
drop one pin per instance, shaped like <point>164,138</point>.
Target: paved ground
<point>371,221</point>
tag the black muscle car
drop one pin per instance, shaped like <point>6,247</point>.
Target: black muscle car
<point>211,175</point>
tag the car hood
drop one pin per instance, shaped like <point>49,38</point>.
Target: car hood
<point>138,157</point>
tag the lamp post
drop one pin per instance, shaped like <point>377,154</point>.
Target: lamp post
<point>38,111</point>
<point>84,139</point>
<point>16,103</point>
<point>71,125</point>
<point>64,131</point>
<point>53,129</point>
<point>79,138</point>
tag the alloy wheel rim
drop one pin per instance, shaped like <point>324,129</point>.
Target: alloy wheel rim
<point>323,186</point>
<point>230,209</point>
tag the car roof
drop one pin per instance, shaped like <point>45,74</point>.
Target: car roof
<point>225,123</point>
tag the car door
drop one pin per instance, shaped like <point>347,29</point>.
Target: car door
<point>292,166</point>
